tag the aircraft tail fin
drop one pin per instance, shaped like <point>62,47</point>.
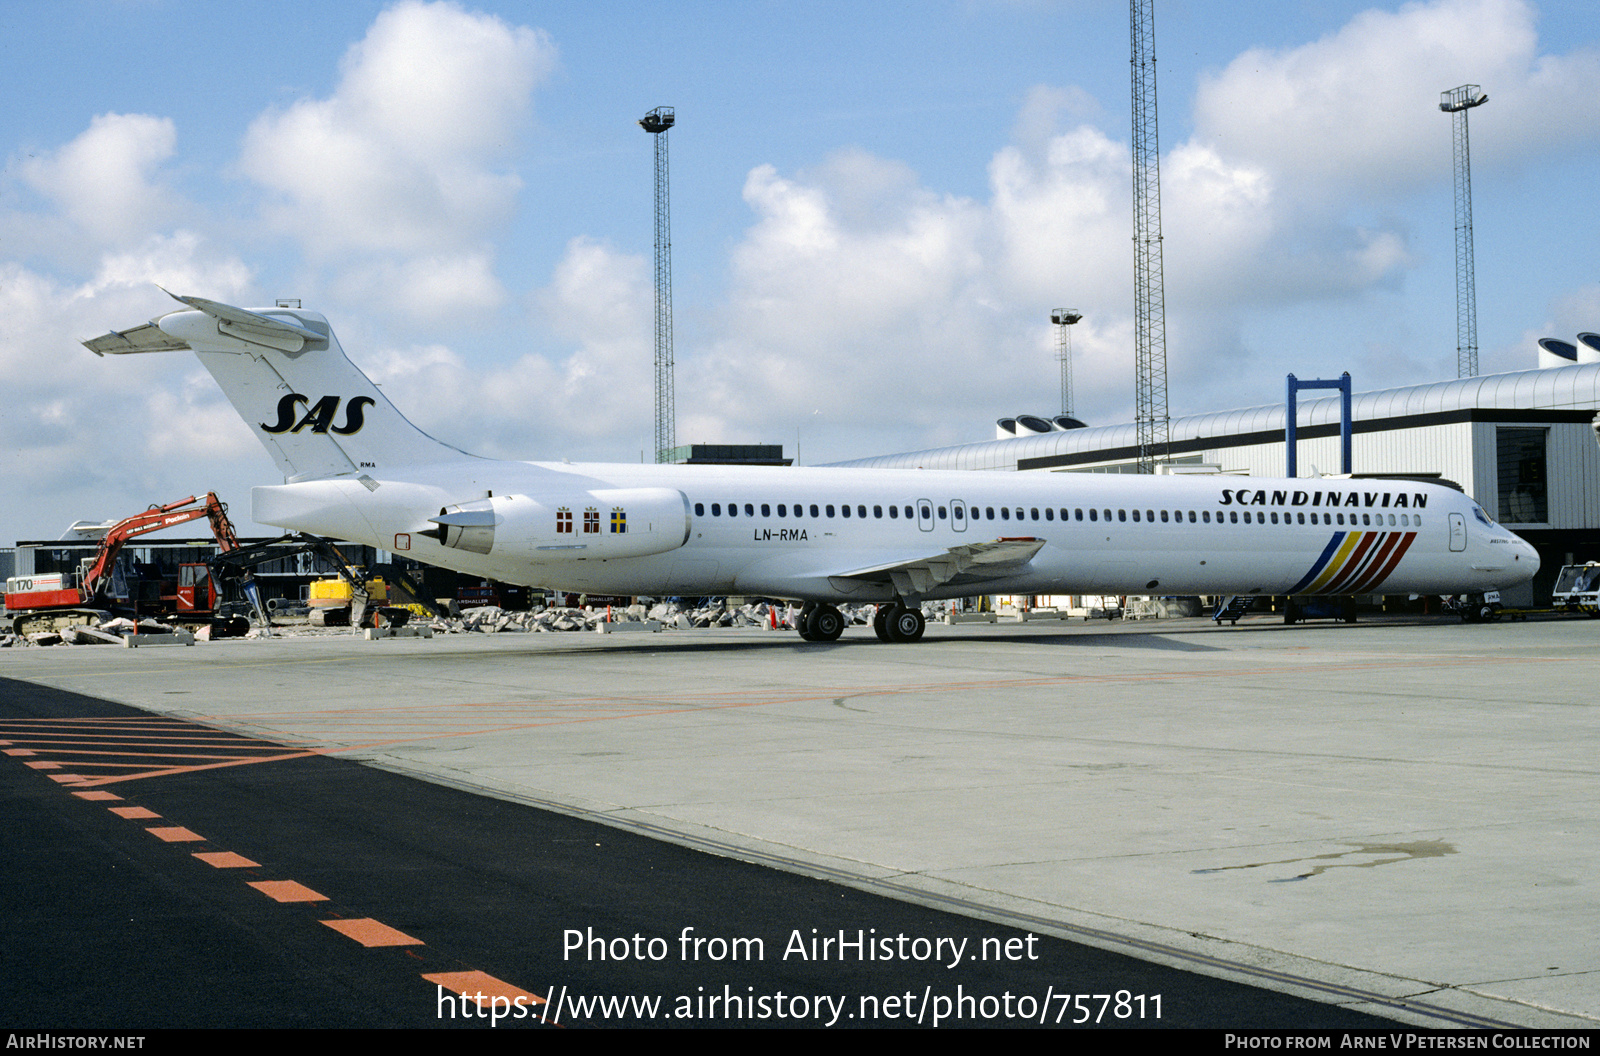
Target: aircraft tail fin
<point>287,376</point>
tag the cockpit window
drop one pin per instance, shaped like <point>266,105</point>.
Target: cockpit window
<point>1483,515</point>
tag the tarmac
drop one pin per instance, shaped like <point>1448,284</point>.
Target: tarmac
<point>1394,816</point>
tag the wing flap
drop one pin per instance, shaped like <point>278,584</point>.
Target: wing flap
<point>918,575</point>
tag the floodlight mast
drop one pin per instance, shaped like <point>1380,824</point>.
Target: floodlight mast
<point>1149,300</point>
<point>1456,102</point>
<point>656,122</point>
<point>1064,318</point>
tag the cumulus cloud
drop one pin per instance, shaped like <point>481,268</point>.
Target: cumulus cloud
<point>1358,109</point>
<point>105,180</point>
<point>92,438</point>
<point>857,288</point>
<point>408,154</point>
<point>588,390</point>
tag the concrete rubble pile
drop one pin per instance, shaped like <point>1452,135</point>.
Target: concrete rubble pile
<point>491,620</point>
<point>105,632</point>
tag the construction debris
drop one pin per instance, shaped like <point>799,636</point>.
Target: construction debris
<point>487,619</point>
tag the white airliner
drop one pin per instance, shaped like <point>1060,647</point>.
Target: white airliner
<point>356,469</point>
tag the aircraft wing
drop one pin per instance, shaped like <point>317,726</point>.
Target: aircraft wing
<point>919,575</point>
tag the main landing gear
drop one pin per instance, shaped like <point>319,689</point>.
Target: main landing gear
<point>820,623</point>
<point>899,623</point>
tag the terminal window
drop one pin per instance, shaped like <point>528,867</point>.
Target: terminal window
<point>1520,461</point>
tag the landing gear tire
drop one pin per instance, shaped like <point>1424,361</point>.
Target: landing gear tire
<point>906,624</point>
<point>802,622</point>
<point>880,622</point>
<point>825,624</point>
<point>898,623</point>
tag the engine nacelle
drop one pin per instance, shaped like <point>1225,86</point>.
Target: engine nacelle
<point>599,524</point>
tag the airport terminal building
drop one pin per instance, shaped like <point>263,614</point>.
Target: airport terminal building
<point>1523,444</point>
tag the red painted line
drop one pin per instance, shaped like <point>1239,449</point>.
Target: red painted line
<point>97,795</point>
<point>369,932</point>
<point>176,834</point>
<point>226,860</point>
<point>20,751</point>
<point>69,779</point>
<point>42,765</point>
<point>287,891</point>
<point>69,750</point>
<point>480,987</point>
<point>168,771</point>
<point>134,812</point>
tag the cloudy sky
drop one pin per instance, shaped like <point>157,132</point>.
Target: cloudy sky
<point>875,208</point>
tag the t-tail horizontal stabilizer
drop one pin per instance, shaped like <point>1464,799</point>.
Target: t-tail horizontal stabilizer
<point>285,373</point>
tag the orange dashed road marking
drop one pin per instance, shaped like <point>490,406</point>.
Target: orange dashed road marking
<point>134,812</point>
<point>287,891</point>
<point>226,860</point>
<point>473,984</point>
<point>97,795</point>
<point>69,779</point>
<point>175,834</point>
<point>19,751</point>
<point>369,932</point>
<point>42,765</point>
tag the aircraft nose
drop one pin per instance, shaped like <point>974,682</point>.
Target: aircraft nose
<point>1526,559</point>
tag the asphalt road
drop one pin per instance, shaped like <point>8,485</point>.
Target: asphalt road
<point>379,897</point>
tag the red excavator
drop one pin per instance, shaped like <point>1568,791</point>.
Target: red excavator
<point>56,600</point>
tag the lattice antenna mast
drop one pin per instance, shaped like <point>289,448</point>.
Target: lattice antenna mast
<point>1456,102</point>
<point>1064,318</point>
<point>656,122</point>
<point>1149,300</point>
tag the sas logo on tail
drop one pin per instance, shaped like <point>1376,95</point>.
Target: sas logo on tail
<point>319,416</point>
